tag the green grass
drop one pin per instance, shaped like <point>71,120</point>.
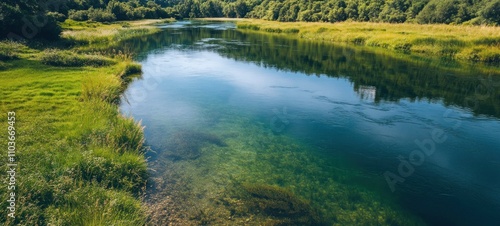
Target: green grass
<point>69,59</point>
<point>96,36</point>
<point>461,42</point>
<point>80,161</point>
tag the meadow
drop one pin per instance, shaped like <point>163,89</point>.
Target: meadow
<point>80,162</point>
<point>457,42</point>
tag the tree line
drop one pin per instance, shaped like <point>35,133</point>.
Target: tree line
<point>26,16</point>
<point>391,11</point>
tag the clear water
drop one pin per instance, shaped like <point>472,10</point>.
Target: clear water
<point>354,137</point>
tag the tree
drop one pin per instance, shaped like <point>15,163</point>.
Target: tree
<point>492,12</point>
<point>28,19</point>
<point>393,11</point>
<point>121,10</point>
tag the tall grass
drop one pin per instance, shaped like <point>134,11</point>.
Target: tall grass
<point>70,59</point>
<point>10,50</point>
<point>462,42</point>
<point>83,163</point>
<point>92,35</point>
<point>96,206</point>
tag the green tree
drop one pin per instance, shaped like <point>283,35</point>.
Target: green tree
<point>439,11</point>
<point>121,10</point>
<point>492,12</point>
<point>394,11</point>
<point>28,19</point>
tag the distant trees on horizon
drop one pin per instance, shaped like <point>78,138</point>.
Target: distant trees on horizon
<point>19,16</point>
<point>391,11</point>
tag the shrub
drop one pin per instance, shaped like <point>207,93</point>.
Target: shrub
<point>78,15</point>
<point>98,15</point>
<point>27,20</point>
<point>3,66</point>
<point>9,50</point>
<point>101,15</point>
<point>69,59</point>
<point>4,56</point>
<point>491,12</point>
<point>57,16</point>
<point>51,30</point>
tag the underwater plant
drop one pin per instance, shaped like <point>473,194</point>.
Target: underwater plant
<point>186,144</point>
<point>279,205</point>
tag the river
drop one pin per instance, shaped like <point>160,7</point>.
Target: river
<point>248,128</point>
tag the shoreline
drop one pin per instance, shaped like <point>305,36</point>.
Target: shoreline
<point>472,44</point>
<point>83,161</point>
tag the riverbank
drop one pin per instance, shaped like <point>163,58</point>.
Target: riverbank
<point>460,42</point>
<point>79,162</point>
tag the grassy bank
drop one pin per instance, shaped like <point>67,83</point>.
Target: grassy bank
<point>470,43</point>
<point>79,161</point>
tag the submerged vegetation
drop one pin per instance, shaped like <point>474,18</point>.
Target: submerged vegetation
<point>468,43</point>
<point>187,144</point>
<point>261,179</point>
<point>278,204</point>
<point>82,162</point>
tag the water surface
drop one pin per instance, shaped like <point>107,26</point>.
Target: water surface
<point>344,135</point>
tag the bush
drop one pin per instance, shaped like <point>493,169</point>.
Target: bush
<point>121,10</point>
<point>57,16</point>
<point>492,12</point>
<point>100,15</point>
<point>51,30</point>
<point>10,50</point>
<point>3,66</point>
<point>444,11</point>
<point>78,15</point>
<point>7,55</point>
<point>27,20</point>
<point>69,59</point>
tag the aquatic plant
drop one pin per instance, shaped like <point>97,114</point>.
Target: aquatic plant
<point>187,144</point>
<point>279,204</point>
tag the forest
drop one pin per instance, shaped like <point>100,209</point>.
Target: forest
<point>21,16</point>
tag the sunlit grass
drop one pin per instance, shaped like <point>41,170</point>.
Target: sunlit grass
<point>471,43</point>
<point>97,35</point>
<point>81,162</point>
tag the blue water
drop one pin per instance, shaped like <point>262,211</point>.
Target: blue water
<point>350,122</point>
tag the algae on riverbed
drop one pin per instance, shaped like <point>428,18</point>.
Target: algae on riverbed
<point>260,178</point>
